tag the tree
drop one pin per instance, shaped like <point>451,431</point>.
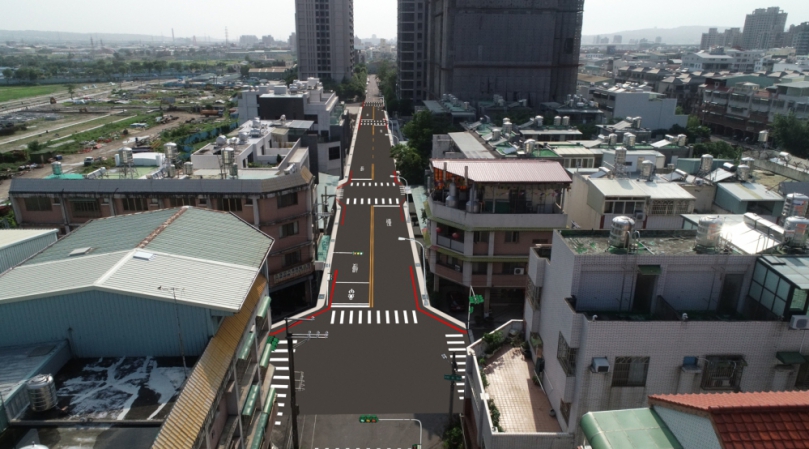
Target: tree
<point>8,73</point>
<point>245,70</point>
<point>409,163</point>
<point>34,146</point>
<point>791,134</point>
<point>71,90</point>
<point>719,150</point>
<point>420,130</point>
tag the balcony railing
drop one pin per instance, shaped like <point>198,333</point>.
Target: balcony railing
<point>549,217</point>
<point>449,273</point>
<point>447,242</point>
<point>508,280</point>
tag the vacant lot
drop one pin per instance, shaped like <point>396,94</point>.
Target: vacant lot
<point>8,93</point>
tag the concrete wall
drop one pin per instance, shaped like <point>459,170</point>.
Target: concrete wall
<point>15,253</point>
<point>657,113</point>
<point>783,170</point>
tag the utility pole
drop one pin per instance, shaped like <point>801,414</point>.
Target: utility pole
<point>452,390</point>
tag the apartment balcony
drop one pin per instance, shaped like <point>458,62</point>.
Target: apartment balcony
<point>527,217</point>
<point>288,274</point>
<point>508,280</point>
<point>450,273</point>
<point>447,242</point>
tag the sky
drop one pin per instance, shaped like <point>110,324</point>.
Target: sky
<point>202,18</point>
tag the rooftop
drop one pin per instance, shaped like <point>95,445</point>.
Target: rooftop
<point>637,188</point>
<point>668,242</point>
<point>510,171</point>
<point>749,191</point>
<point>217,255</point>
<point>627,429</point>
<point>470,146</point>
<point>11,237</point>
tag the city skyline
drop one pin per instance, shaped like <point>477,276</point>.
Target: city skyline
<point>371,17</point>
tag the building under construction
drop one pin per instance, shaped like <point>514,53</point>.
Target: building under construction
<point>517,49</point>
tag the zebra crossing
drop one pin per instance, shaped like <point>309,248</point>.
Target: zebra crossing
<point>370,122</point>
<point>280,379</point>
<point>372,184</point>
<point>371,201</point>
<point>456,345</point>
<point>378,103</point>
<point>373,317</point>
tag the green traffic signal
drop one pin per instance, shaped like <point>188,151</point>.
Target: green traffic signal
<point>357,253</point>
<point>368,418</point>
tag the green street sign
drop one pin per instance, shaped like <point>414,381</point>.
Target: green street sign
<point>453,377</point>
<point>476,299</point>
<point>273,342</point>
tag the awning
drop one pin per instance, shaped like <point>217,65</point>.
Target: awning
<point>263,306</point>
<point>649,270</point>
<point>264,361</point>
<point>790,357</point>
<point>250,402</point>
<point>245,348</point>
<point>258,435</point>
<point>269,402</point>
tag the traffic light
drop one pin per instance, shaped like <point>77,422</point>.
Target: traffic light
<point>357,253</point>
<point>416,446</point>
<point>368,419</point>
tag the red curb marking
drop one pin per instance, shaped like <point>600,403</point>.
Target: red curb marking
<point>343,212</point>
<point>416,298</point>
<point>328,306</point>
<point>401,211</point>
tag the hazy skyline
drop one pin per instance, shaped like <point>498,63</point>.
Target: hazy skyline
<point>209,18</point>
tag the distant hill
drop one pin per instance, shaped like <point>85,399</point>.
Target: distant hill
<point>33,36</point>
<point>685,35</point>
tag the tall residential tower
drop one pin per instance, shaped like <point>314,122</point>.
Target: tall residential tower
<point>411,49</point>
<point>764,28</point>
<point>325,33</point>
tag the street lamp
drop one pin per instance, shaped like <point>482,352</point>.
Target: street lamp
<point>398,176</point>
<point>423,266</point>
<point>454,366</point>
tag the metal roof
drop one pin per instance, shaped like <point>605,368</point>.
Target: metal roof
<point>470,146</point>
<point>10,237</point>
<point>212,256</point>
<point>527,171</point>
<point>748,191</point>
<point>636,188</point>
<point>796,269</point>
<point>627,429</point>
<point>93,187</point>
<point>187,417</point>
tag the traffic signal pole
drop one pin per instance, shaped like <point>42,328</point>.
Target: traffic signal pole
<point>452,390</point>
<point>293,402</point>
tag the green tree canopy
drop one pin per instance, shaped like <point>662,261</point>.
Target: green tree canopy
<point>791,134</point>
<point>409,163</point>
<point>719,150</point>
<point>420,130</point>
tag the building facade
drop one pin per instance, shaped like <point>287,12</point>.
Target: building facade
<point>479,48</point>
<point>324,30</point>
<point>764,28</point>
<point>411,49</point>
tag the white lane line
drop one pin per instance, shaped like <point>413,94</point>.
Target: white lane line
<point>359,316</point>
<point>396,316</point>
<point>351,317</point>
<point>375,184</point>
<point>333,313</point>
<point>282,368</point>
<point>355,201</point>
<point>282,342</point>
<point>362,200</point>
<point>280,377</point>
<point>281,395</point>
<point>455,342</point>
<point>342,315</point>
<point>461,362</point>
<point>279,386</point>
<point>387,317</point>
<point>280,413</point>
<point>457,349</point>
<point>404,315</point>
<point>397,200</point>
<point>461,398</point>
<point>415,319</point>
<point>369,201</point>
<point>453,335</point>
<point>460,391</point>
<point>390,200</point>
<point>278,423</point>
<point>280,404</point>
<point>376,200</point>
<point>377,317</point>
<point>279,359</point>
<point>370,320</point>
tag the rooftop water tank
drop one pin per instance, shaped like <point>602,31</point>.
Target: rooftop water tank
<point>708,232</point>
<point>222,140</point>
<point>646,169</point>
<point>763,136</point>
<point>41,392</point>
<point>188,168</point>
<point>557,121</point>
<point>613,139</point>
<point>636,122</point>
<point>529,145</point>
<point>243,136</point>
<point>743,173</point>
<point>795,205</point>
<point>171,150</point>
<point>795,232</point>
<point>621,232</point>
<point>56,167</point>
<point>620,157</point>
<point>565,121</point>
<point>227,156</point>
<point>682,139</point>
<point>629,139</point>
<point>706,163</point>
<point>495,133</point>
<point>126,156</point>
<point>539,120</point>
<point>256,123</point>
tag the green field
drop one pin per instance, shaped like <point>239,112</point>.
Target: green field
<point>8,93</point>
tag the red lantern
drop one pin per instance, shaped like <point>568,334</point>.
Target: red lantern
<point>437,229</point>
<point>456,236</point>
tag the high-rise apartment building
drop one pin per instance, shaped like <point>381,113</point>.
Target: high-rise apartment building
<point>800,39</point>
<point>325,34</point>
<point>411,49</point>
<point>520,50</point>
<point>764,28</point>
<point>617,39</point>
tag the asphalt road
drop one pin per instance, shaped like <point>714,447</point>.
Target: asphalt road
<point>384,351</point>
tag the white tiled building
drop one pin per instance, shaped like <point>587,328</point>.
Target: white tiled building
<point>617,326</point>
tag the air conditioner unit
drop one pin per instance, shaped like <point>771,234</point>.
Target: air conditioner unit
<point>800,322</point>
<point>640,215</point>
<point>600,365</point>
<point>457,268</point>
<point>519,271</point>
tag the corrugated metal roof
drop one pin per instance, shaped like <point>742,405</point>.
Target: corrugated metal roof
<point>106,235</point>
<point>187,417</point>
<point>470,146</point>
<point>93,187</point>
<point>9,237</point>
<point>213,256</point>
<point>749,191</point>
<point>528,171</point>
<point>633,187</point>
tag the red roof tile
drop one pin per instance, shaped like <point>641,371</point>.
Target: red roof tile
<point>771,420</point>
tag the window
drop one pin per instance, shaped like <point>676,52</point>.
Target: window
<point>86,208</point>
<point>480,267</point>
<point>480,236</point>
<point>722,373</point>
<point>802,381</point>
<point>286,200</point>
<point>512,236</point>
<point>566,356</point>
<point>183,201</point>
<point>623,207</point>
<point>292,258</point>
<point>134,204</point>
<point>248,202</point>
<point>564,408</point>
<point>334,153</point>
<point>510,267</point>
<point>770,292</point>
<point>630,371</point>
<point>289,229</point>
<point>230,204</point>
<point>670,207</point>
<point>37,204</point>
<point>203,201</point>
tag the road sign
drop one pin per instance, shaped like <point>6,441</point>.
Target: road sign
<point>273,342</point>
<point>476,299</point>
<point>453,377</point>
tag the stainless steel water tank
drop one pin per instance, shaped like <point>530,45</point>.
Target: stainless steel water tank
<point>227,156</point>
<point>795,231</point>
<point>795,205</point>
<point>709,231</point>
<point>706,163</point>
<point>41,392</point>
<point>621,232</point>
